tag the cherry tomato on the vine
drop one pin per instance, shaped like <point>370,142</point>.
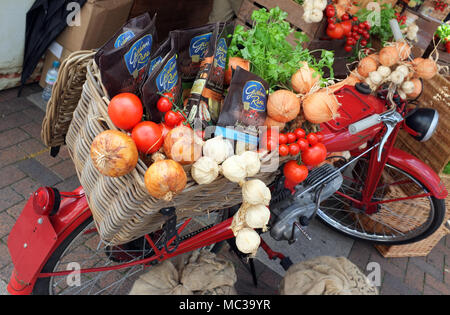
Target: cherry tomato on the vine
<point>282,138</point>
<point>303,144</point>
<point>291,137</point>
<point>172,118</point>
<point>283,149</point>
<point>312,138</point>
<point>164,103</point>
<point>294,149</point>
<point>299,133</point>
<point>315,154</point>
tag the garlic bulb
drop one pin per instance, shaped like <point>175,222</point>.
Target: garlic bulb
<point>320,4</point>
<point>205,170</point>
<point>408,87</point>
<point>307,16</point>
<point>384,71</point>
<point>308,5</point>
<point>248,241</point>
<point>257,216</point>
<point>403,70</point>
<point>402,94</point>
<point>375,77</point>
<point>235,169</point>
<point>218,148</point>
<point>252,162</point>
<point>316,16</point>
<point>255,192</point>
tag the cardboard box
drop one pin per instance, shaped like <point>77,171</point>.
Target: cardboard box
<point>99,21</point>
<point>54,52</point>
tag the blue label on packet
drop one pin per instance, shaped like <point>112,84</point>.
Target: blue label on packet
<point>154,63</point>
<point>232,134</point>
<point>123,39</point>
<point>254,94</point>
<point>168,77</point>
<point>220,57</point>
<point>199,45</point>
<point>139,54</point>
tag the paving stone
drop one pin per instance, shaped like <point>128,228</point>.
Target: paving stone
<point>34,113</point>
<point>395,285</point>
<point>423,265</point>
<point>26,187</point>
<point>13,120</point>
<point>32,147</point>
<point>11,155</point>
<point>386,266</point>
<point>6,223</point>
<point>437,284</point>
<point>16,210</point>
<point>13,105</point>
<point>430,291</point>
<point>9,175</point>
<point>5,259</point>
<point>8,198</point>
<point>69,184</point>
<point>11,137</point>
<point>65,169</point>
<point>360,254</point>
<point>436,259</point>
<point>415,277</point>
<point>38,172</point>
<point>33,128</point>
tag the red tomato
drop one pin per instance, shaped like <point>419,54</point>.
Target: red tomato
<point>347,26</point>
<point>314,155</point>
<point>303,144</point>
<point>337,33</point>
<point>331,26</point>
<point>348,48</point>
<point>345,17</point>
<point>164,104</point>
<point>312,138</point>
<point>283,149</point>
<point>269,140</point>
<point>125,110</point>
<point>299,133</point>
<point>282,138</point>
<point>172,118</point>
<point>294,149</point>
<point>295,173</point>
<point>164,129</point>
<point>363,42</point>
<point>148,137</point>
<point>291,137</point>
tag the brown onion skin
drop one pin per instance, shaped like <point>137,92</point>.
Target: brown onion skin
<point>232,65</point>
<point>273,123</point>
<point>276,106</point>
<point>311,108</point>
<point>182,145</point>
<point>114,153</point>
<point>164,179</point>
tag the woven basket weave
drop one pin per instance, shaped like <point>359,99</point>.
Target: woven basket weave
<point>65,96</point>
<point>122,208</point>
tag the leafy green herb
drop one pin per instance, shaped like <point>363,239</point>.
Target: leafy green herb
<point>443,31</point>
<point>382,30</point>
<point>447,169</point>
<point>299,1</point>
<point>272,57</point>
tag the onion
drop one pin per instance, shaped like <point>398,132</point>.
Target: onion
<point>384,71</point>
<point>375,57</point>
<point>304,79</point>
<point>366,66</point>
<point>375,77</point>
<point>403,70</point>
<point>417,88</point>
<point>320,107</point>
<point>182,145</point>
<point>389,56</point>
<point>340,10</point>
<point>350,80</point>
<point>114,153</point>
<point>283,106</point>
<point>164,179</point>
<point>248,241</point>
<point>257,216</point>
<point>269,123</point>
<point>396,77</point>
<point>408,87</point>
<point>426,69</point>
<point>233,63</point>
<point>403,49</point>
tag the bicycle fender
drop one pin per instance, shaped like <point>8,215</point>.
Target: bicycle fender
<point>419,170</point>
<point>34,238</point>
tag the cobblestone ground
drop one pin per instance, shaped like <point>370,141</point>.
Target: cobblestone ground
<point>25,165</point>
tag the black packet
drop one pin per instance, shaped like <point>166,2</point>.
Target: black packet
<point>244,108</point>
<point>162,77</point>
<point>123,59</point>
<point>206,97</point>
<point>192,44</point>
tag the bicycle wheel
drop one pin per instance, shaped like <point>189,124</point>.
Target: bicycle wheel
<point>85,248</point>
<point>394,221</point>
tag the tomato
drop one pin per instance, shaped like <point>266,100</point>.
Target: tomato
<point>337,33</point>
<point>294,149</point>
<point>283,149</point>
<point>291,137</point>
<point>345,17</point>
<point>164,103</point>
<point>125,110</point>
<point>348,48</point>
<point>295,173</point>
<point>282,138</point>
<point>331,26</point>
<point>330,11</point>
<point>355,18</point>
<point>363,42</point>
<point>347,26</point>
<point>148,137</point>
<point>312,138</point>
<point>356,36</point>
<point>299,133</point>
<point>172,118</point>
<point>320,137</point>
<point>182,120</point>
<point>164,129</point>
<point>315,154</point>
<point>269,140</point>
<point>303,144</point>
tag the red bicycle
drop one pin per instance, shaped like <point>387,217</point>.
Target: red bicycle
<point>381,194</point>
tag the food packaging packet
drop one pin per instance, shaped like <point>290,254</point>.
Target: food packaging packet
<point>123,59</point>
<point>244,110</point>
<point>163,78</point>
<point>206,96</point>
<point>191,45</point>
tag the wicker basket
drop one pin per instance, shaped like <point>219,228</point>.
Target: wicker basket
<point>65,96</point>
<point>122,208</point>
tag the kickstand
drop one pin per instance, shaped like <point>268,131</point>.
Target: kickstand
<point>251,262</point>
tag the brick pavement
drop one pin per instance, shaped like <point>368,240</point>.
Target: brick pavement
<point>25,165</point>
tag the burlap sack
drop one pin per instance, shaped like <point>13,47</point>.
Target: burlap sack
<point>326,276</point>
<point>203,273</point>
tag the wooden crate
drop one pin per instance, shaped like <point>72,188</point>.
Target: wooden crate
<point>427,9</point>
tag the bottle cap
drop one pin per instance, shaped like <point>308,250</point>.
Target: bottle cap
<point>56,64</point>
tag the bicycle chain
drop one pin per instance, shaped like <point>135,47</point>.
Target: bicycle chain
<point>192,234</point>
